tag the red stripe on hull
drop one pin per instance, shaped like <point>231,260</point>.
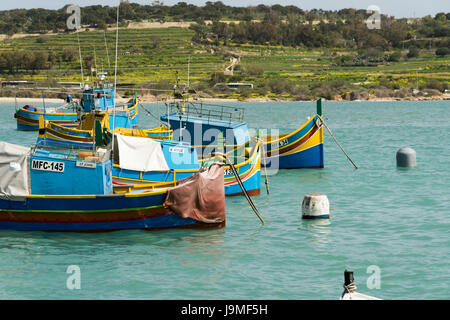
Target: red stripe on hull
<point>283,150</point>
<point>252,193</point>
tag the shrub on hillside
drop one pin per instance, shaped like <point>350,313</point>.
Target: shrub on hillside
<point>302,93</point>
<point>279,86</point>
<point>382,93</point>
<point>432,92</point>
<point>252,70</point>
<point>395,57</point>
<point>442,51</point>
<point>435,84</point>
<point>402,93</point>
<point>413,52</point>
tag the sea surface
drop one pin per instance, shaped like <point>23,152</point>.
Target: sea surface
<point>389,226</point>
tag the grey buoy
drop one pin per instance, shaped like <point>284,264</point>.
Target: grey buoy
<point>315,206</point>
<point>406,157</point>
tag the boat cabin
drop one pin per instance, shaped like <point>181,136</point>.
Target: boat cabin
<point>99,98</point>
<point>200,124</point>
<point>66,171</point>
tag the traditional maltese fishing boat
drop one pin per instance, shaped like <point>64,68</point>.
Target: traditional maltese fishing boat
<point>301,148</point>
<point>54,190</point>
<point>83,136</point>
<point>134,148</point>
<point>28,116</point>
<point>199,124</point>
<point>98,98</point>
<point>140,162</point>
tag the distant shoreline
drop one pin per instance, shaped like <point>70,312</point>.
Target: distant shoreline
<point>153,99</point>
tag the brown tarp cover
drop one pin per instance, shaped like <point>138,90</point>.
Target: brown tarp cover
<point>200,197</point>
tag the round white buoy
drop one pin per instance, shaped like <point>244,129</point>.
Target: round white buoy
<point>315,206</point>
<point>406,157</point>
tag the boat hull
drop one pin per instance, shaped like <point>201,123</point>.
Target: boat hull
<point>93,213</point>
<point>248,171</point>
<point>302,148</point>
<point>60,136</point>
<point>29,120</point>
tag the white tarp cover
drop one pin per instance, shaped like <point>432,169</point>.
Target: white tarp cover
<point>14,184</point>
<point>140,154</point>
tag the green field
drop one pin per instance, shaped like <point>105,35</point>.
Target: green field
<point>153,55</point>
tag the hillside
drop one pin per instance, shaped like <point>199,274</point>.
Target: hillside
<point>278,64</point>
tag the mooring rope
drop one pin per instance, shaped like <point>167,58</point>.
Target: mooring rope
<point>233,169</point>
<point>151,114</point>
<point>350,288</point>
<point>335,140</point>
<point>266,180</point>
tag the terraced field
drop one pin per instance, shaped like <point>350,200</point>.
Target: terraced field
<point>154,55</point>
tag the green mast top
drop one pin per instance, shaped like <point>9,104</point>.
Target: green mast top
<point>319,107</point>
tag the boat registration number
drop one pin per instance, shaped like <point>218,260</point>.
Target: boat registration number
<point>176,150</point>
<point>47,165</point>
<point>228,172</point>
<point>83,164</point>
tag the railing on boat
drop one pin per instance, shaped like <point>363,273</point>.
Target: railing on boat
<point>207,111</point>
<point>61,150</point>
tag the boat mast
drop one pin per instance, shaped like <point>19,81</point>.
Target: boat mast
<point>106,46</point>
<point>81,62</point>
<point>115,83</point>
<point>95,60</point>
<point>189,62</point>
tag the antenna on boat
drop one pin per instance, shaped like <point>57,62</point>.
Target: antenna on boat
<point>81,62</point>
<point>43,102</point>
<point>95,60</point>
<point>168,117</point>
<point>115,83</point>
<point>189,62</point>
<point>106,46</point>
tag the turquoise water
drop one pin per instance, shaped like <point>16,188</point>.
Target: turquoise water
<point>397,220</point>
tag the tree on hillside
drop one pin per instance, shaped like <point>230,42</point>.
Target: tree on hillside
<point>442,51</point>
<point>88,61</point>
<point>69,54</point>
<point>40,61</point>
<point>126,11</point>
<point>394,31</point>
<point>413,52</point>
<point>395,57</point>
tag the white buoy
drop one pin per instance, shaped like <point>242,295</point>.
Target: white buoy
<point>406,157</point>
<point>315,206</point>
